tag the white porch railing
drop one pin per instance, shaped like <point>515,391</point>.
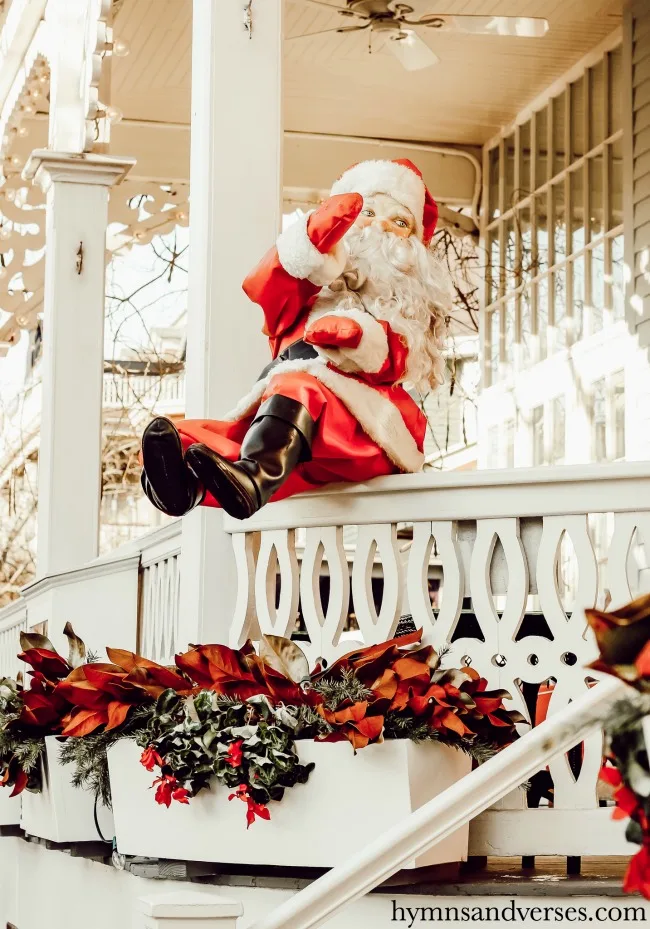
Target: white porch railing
<point>438,818</point>
<point>496,537</point>
<point>160,594</point>
<point>499,538</point>
<point>127,392</point>
<point>14,621</point>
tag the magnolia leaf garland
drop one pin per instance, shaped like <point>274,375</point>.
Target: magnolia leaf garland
<point>235,715</point>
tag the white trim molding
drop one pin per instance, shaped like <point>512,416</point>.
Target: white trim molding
<point>45,167</point>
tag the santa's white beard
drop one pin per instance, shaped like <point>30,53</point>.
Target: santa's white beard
<point>398,280</point>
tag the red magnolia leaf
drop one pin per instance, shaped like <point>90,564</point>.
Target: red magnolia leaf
<point>82,722</point>
<point>108,680</point>
<point>129,661</point>
<point>385,686</point>
<point>487,705</point>
<point>225,660</point>
<point>365,731</point>
<point>364,656</point>
<point>82,694</point>
<point>117,713</point>
<point>408,667</point>
<point>450,720</point>
<point>19,784</point>
<point>47,662</point>
<point>353,713</point>
<point>195,666</point>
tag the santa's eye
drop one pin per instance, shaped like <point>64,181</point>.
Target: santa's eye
<point>401,222</point>
<point>368,212</point>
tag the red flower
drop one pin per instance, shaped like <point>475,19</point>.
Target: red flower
<point>234,754</point>
<point>150,758</point>
<point>168,789</point>
<point>253,809</point>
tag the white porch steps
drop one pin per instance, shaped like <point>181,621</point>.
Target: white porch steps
<point>45,887</point>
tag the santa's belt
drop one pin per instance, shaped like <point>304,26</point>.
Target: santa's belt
<point>297,351</point>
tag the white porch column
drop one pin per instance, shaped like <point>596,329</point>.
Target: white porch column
<point>235,174</point>
<point>69,472</point>
<point>187,910</point>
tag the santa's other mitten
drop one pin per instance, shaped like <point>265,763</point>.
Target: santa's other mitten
<point>334,332</point>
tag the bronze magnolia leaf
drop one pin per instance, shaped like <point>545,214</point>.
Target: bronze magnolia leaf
<point>35,640</point>
<point>76,647</point>
<point>284,656</point>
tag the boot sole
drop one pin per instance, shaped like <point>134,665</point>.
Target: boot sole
<point>217,480</point>
<point>164,464</point>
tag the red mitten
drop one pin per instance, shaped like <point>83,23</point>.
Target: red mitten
<point>334,332</point>
<point>328,224</point>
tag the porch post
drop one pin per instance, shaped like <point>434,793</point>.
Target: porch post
<point>235,172</point>
<point>69,471</point>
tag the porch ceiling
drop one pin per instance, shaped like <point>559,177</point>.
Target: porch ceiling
<point>333,85</point>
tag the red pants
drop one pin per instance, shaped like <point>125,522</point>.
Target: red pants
<point>341,450</point>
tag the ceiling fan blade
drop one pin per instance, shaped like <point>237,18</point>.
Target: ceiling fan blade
<point>337,9</point>
<point>531,27</point>
<point>307,35</point>
<point>411,51</point>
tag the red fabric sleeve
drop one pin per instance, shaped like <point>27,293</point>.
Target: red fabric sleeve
<point>283,297</point>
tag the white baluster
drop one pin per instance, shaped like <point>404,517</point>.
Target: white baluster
<point>618,562</point>
<point>325,629</point>
<point>244,625</point>
<point>277,554</point>
<point>377,538</point>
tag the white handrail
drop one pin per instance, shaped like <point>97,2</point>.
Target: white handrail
<point>441,816</point>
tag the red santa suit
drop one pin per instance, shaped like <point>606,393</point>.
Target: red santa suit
<point>343,365</point>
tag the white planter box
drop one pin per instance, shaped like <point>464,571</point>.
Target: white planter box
<point>347,802</point>
<point>9,807</point>
<point>61,812</point>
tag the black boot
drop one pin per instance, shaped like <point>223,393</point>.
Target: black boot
<point>278,439</point>
<point>166,479</point>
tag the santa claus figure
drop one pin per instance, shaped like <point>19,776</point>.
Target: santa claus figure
<point>354,307</point>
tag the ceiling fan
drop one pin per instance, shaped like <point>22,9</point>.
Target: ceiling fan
<point>391,20</point>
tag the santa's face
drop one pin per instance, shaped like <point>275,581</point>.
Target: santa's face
<point>383,213</point>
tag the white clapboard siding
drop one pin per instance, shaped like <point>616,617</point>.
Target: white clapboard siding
<point>637,166</point>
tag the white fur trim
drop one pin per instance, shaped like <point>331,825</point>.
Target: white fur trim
<point>301,259</point>
<point>379,418</point>
<point>371,352</point>
<point>386,177</point>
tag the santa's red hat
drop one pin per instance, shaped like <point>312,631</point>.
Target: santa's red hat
<point>399,179</point>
